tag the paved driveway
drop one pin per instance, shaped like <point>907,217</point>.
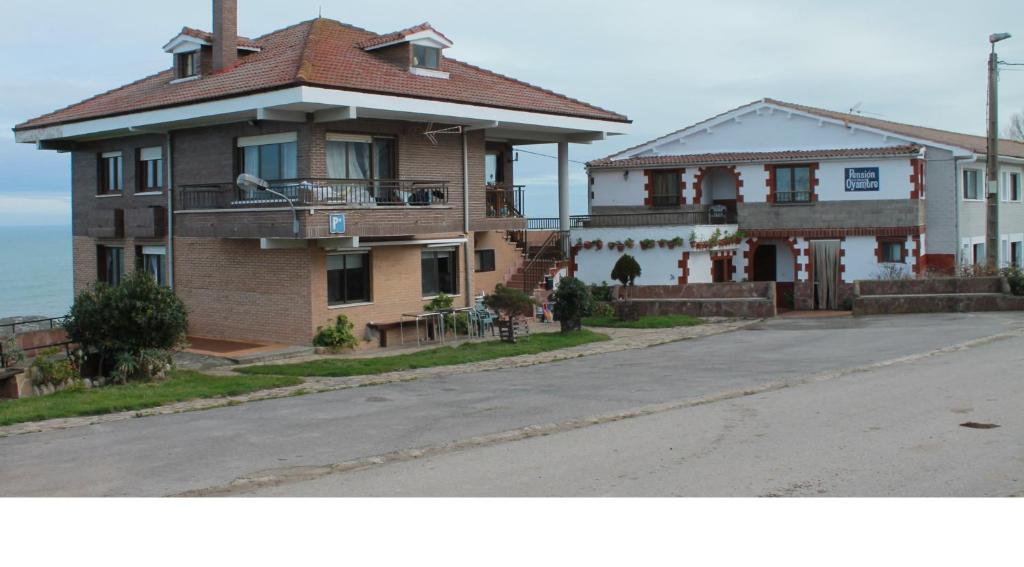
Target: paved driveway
<point>175,453</point>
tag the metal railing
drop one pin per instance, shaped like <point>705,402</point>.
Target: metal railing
<point>554,249</point>
<point>316,192</point>
<point>674,218</point>
<point>789,197</point>
<point>9,330</point>
<point>504,201</point>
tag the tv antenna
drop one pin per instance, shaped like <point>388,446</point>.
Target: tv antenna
<point>859,110</point>
<point>433,133</point>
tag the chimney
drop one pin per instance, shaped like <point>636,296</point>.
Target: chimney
<point>225,33</point>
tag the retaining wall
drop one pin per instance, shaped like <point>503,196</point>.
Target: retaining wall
<point>747,299</point>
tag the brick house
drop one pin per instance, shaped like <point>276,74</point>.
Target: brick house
<point>821,198</point>
<point>390,164</point>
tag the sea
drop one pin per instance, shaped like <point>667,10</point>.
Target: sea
<point>35,271</point>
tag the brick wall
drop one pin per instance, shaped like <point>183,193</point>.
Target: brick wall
<point>233,289</point>
<point>507,259</point>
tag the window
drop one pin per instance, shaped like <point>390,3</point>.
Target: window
<point>150,176</point>
<point>494,170</point>
<point>360,157</point>
<point>424,56</point>
<point>666,188</point>
<point>720,270</point>
<point>793,184</point>
<point>979,254</point>
<point>891,252</point>
<point>348,278</point>
<point>273,157</point>
<point>485,261</point>
<point>110,264</point>
<point>439,272</point>
<point>972,184</point>
<point>1011,186</point>
<point>187,64</point>
<point>1015,253</point>
<point>111,174</point>
<point>153,259</point>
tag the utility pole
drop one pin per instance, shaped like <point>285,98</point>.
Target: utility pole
<point>992,243</point>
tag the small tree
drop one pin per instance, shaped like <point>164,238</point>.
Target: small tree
<point>509,303</point>
<point>336,338</point>
<point>128,321</point>
<point>573,302</point>
<point>626,270</point>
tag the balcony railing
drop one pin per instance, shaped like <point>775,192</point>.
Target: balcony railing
<point>791,197</point>
<point>316,192</point>
<point>504,201</point>
<point>675,218</point>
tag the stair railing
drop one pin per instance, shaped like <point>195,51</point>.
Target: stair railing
<point>552,250</point>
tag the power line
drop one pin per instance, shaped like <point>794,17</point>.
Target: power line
<point>546,156</point>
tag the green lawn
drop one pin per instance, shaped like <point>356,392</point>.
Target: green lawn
<point>183,385</point>
<point>442,356</point>
<point>650,322</point>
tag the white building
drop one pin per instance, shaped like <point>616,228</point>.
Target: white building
<point>820,199</point>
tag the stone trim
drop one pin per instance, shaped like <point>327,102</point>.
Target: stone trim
<point>684,266</point>
<point>917,178</point>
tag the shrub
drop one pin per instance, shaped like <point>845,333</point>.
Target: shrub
<point>603,310</point>
<point>602,292</point>
<point>52,369</point>
<point>12,353</point>
<point>892,272</point>
<point>1015,277</point>
<point>457,321</point>
<point>573,302</point>
<point>337,337</point>
<point>114,322</point>
<point>509,302</point>
<point>626,270</point>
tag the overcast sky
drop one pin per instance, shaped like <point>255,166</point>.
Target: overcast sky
<point>664,64</point>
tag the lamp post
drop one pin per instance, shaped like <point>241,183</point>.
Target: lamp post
<point>992,243</point>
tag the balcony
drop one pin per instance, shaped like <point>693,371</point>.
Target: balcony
<point>504,201</point>
<point>674,218</point>
<point>372,207</point>
<point>360,193</point>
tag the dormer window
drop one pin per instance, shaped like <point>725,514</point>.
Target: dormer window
<point>426,57</point>
<point>187,64</point>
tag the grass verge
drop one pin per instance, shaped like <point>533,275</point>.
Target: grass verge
<point>650,322</point>
<point>442,356</point>
<point>181,386</point>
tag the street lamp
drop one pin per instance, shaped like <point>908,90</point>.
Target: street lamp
<point>992,155</point>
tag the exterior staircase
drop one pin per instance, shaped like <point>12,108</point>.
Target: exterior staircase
<point>541,258</point>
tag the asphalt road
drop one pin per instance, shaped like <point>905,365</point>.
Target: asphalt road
<point>880,432</point>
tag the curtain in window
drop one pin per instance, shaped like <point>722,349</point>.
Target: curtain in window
<point>826,272</point>
<point>337,160</point>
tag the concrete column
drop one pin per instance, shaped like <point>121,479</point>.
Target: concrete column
<point>563,186</point>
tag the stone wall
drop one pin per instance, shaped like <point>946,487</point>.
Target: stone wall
<point>747,299</point>
<point>941,295</point>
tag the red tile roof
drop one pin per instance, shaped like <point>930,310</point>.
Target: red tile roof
<point>976,144</point>
<point>399,35</point>
<point>206,36</point>
<point>741,157</point>
<point>324,53</point>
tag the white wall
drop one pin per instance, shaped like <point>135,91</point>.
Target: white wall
<point>893,175</point>
<point>613,189</point>
<point>659,266</point>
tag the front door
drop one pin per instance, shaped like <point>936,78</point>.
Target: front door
<point>765,263</point>
<point>825,263</point>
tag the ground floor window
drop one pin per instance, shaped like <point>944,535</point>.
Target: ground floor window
<point>891,252</point>
<point>439,272</point>
<point>153,259</point>
<point>978,251</point>
<point>720,270</point>
<point>348,278</point>
<point>485,261</point>
<point>1015,253</point>
<point>110,264</point>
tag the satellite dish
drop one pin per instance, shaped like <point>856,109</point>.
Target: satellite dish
<point>251,182</point>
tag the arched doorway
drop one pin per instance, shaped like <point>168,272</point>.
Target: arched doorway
<point>720,186</point>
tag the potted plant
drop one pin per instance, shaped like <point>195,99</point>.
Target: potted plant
<point>509,303</point>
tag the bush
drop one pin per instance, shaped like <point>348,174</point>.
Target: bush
<point>573,302</point>
<point>509,302</point>
<point>114,323</point>
<point>12,353</point>
<point>457,321</point>
<point>52,369</point>
<point>602,292</point>
<point>626,270</point>
<point>337,337</point>
<point>1015,277</point>
<point>603,310</point>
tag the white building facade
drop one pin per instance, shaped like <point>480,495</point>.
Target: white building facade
<point>809,198</point>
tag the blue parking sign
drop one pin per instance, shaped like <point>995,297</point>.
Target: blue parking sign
<point>337,223</point>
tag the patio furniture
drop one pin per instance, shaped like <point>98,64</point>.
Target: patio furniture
<point>431,320</point>
<point>484,319</point>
